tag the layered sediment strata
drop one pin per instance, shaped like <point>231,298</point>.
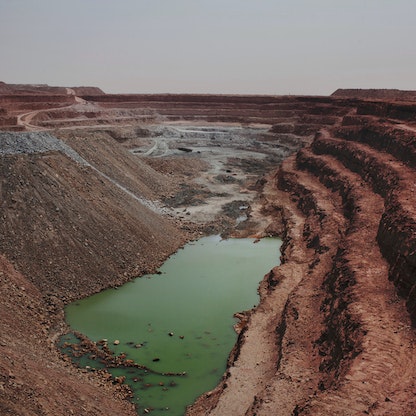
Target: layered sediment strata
<point>392,175</point>
<point>376,94</point>
<point>53,107</point>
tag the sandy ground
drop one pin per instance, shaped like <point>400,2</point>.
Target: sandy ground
<point>230,159</point>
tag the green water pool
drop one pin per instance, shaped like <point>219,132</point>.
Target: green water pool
<point>180,320</point>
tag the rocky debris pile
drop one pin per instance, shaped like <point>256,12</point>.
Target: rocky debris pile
<point>35,142</point>
<point>76,219</point>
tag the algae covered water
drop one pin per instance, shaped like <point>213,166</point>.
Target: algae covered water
<point>178,324</point>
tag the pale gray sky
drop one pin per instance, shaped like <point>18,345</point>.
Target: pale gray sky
<point>210,46</point>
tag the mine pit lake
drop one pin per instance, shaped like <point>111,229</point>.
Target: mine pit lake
<point>177,324</point>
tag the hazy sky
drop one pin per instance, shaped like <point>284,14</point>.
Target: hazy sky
<point>210,46</point>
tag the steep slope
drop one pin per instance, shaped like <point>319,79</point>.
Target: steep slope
<point>34,380</point>
<point>68,231</point>
<point>77,220</point>
<point>115,161</point>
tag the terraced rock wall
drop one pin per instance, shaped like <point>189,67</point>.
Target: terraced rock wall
<point>372,169</point>
<point>342,301</point>
<point>222,108</point>
<point>390,170</point>
<point>34,101</point>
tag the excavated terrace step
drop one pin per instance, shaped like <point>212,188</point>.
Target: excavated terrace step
<point>386,358</point>
<point>298,375</point>
<point>395,182</point>
<point>276,309</point>
<point>395,141</point>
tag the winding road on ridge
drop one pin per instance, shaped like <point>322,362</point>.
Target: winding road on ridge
<point>25,120</point>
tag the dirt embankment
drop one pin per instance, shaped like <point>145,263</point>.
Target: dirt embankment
<point>76,216</point>
<point>70,232</point>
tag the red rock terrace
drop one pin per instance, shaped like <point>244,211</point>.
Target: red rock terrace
<point>334,332</point>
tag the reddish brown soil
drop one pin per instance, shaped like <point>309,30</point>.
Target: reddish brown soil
<point>34,379</point>
<point>337,339</point>
<point>333,333</point>
<point>376,94</point>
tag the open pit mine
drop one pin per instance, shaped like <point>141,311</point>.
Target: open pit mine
<point>97,189</point>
